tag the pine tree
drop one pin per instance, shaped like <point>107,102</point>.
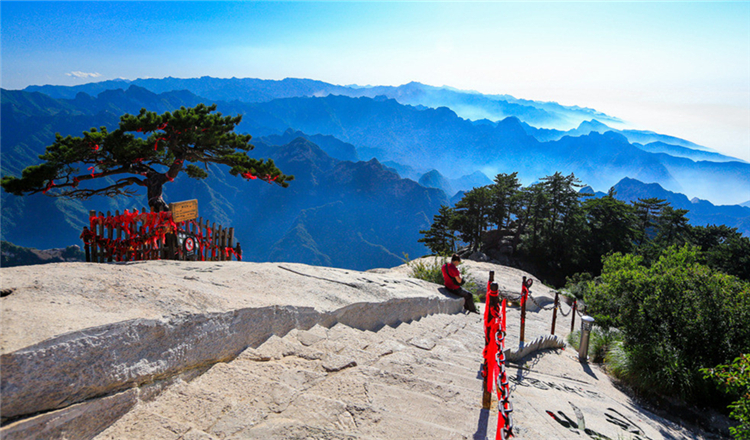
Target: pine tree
<point>505,198</point>
<point>648,211</point>
<point>612,227</point>
<point>150,150</point>
<point>441,237</point>
<point>472,216</point>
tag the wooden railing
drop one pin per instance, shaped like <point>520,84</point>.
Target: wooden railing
<point>148,235</point>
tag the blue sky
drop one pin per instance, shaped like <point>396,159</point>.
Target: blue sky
<point>677,68</point>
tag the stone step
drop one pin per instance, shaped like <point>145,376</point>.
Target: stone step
<point>432,418</point>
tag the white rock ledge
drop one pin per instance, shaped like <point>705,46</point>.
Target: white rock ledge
<point>105,363</point>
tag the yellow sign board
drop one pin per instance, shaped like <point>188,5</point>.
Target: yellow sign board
<point>183,211</point>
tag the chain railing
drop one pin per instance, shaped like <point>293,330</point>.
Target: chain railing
<point>493,370</point>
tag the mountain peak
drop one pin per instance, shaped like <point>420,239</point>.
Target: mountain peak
<point>433,179</point>
<point>594,125</point>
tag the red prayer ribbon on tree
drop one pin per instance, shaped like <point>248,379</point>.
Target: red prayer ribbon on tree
<point>49,185</point>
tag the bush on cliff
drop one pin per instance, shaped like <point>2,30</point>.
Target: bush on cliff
<point>677,316</point>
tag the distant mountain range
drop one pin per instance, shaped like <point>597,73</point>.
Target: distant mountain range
<point>371,171</point>
<point>470,105</point>
<point>701,212</point>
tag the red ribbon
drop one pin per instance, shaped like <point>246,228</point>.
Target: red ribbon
<point>267,178</point>
<point>50,184</point>
<point>156,144</point>
<point>152,233</point>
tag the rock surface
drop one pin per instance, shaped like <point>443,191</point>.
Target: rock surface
<point>281,351</point>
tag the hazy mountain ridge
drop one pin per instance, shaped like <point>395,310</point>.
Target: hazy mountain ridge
<point>687,153</point>
<point>468,104</point>
<point>409,136</point>
<point>701,212</point>
<point>433,179</point>
<point>273,223</point>
<point>646,140</point>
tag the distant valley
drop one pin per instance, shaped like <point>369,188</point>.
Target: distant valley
<point>373,165</point>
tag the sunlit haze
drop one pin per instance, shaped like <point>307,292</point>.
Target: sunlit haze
<point>681,69</point>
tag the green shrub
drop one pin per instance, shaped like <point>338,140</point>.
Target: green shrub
<point>600,340</point>
<point>580,285</point>
<point>677,316</point>
<point>430,269</point>
<point>618,362</point>
<point>735,379</point>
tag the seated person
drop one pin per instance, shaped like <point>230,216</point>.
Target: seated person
<point>453,282</point>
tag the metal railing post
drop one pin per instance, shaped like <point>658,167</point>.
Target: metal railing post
<point>587,323</point>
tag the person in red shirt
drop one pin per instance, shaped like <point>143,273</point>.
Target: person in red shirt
<point>453,282</point>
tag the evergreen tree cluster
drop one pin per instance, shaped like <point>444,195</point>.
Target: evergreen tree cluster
<point>562,231</point>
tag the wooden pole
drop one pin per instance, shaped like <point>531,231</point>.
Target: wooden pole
<point>118,228</point>
<point>222,243</point>
<point>573,319</point>
<point>102,251</point>
<point>110,235</point>
<point>554,312</point>
<point>523,312</point>
<point>230,241</point>
<point>89,249</point>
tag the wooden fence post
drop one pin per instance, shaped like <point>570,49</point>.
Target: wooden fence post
<point>118,228</point>
<point>214,237</point>
<point>110,236</point>
<point>573,319</point>
<point>523,312</point>
<point>100,233</point>
<point>133,237</point>
<point>554,312</point>
<point>230,241</point>
<point>91,248</point>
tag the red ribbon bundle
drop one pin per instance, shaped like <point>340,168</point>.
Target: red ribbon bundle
<point>267,178</point>
<point>155,227</point>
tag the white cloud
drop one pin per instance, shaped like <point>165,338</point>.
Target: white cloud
<point>79,74</point>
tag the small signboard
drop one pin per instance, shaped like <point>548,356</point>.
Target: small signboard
<point>190,247</point>
<point>183,211</point>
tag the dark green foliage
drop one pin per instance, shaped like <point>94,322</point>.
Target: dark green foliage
<point>472,216</point>
<point>735,379</point>
<point>563,228</point>
<point>647,211</point>
<point>428,269</point>
<point>441,237</point>
<point>600,342</point>
<point>724,249</point>
<point>676,315</point>
<point>149,148</point>
<point>551,225</point>
<point>505,193</point>
<point>611,228</point>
